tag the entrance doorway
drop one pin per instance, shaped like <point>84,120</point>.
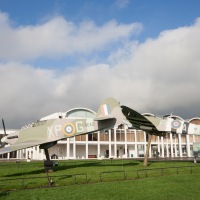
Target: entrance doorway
<point>107,154</point>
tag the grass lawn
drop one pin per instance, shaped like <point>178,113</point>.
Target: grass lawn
<point>170,185</point>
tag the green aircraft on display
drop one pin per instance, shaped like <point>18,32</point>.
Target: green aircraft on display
<point>159,126</point>
<point>46,133</point>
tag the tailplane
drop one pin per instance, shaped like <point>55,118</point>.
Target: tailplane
<point>110,108</point>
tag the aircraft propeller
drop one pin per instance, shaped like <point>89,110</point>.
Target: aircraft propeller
<point>2,143</point>
<point>4,128</point>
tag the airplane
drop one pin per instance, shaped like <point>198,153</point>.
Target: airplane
<point>46,133</point>
<point>159,126</point>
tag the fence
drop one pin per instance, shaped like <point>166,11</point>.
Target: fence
<point>166,170</point>
<point>112,172</point>
<point>68,179</point>
<point>48,181</point>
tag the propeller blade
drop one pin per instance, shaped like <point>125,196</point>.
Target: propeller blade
<point>2,144</point>
<point>4,128</point>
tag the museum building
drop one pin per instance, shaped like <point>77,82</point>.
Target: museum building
<point>119,142</point>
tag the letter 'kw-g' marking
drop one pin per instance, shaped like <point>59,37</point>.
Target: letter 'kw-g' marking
<point>69,129</point>
<point>176,124</point>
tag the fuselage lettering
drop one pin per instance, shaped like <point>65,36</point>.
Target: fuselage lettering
<point>185,128</point>
<point>53,131</point>
<point>50,131</point>
<point>79,126</point>
<point>88,124</point>
<point>57,129</point>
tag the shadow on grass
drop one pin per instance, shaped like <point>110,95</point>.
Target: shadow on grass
<point>62,166</point>
<point>3,194</point>
<point>107,163</point>
<point>36,172</point>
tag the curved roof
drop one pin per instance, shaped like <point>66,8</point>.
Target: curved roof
<point>194,119</point>
<point>80,112</point>
<point>148,114</point>
<point>174,117</point>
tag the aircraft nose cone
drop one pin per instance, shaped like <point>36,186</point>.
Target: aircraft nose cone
<point>3,139</point>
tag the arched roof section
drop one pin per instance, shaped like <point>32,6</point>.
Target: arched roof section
<point>174,117</point>
<point>148,114</point>
<point>80,113</point>
<point>195,120</point>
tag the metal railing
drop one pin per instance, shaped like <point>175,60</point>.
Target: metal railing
<point>60,180</point>
<point>177,169</point>
<point>111,172</point>
<point>49,183</point>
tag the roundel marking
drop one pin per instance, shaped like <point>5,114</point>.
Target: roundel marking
<point>69,129</point>
<point>176,124</point>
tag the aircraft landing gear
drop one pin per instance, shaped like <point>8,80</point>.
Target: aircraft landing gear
<point>48,164</point>
<point>147,151</point>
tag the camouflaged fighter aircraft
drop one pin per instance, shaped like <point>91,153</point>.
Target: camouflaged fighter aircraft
<point>159,125</point>
<point>154,125</point>
<point>46,133</point>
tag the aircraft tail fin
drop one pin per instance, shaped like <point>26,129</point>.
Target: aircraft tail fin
<point>110,109</point>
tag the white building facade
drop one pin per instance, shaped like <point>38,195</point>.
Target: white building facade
<point>119,142</point>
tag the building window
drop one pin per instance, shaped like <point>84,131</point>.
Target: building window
<point>183,138</point>
<point>81,138</point>
<point>104,136</point>
<point>92,137</point>
<point>140,150</point>
<point>184,150</point>
<point>140,136</point>
<point>130,136</point>
<point>112,135</point>
<point>120,135</point>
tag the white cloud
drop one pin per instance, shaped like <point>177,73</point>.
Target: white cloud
<point>58,37</point>
<point>25,91</point>
<point>169,66</point>
<point>160,75</point>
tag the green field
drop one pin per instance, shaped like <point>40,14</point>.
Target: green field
<point>100,179</point>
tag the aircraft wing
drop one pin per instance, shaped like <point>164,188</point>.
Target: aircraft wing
<point>137,120</point>
<point>18,146</point>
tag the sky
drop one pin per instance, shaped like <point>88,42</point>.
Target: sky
<point>56,55</point>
